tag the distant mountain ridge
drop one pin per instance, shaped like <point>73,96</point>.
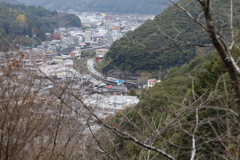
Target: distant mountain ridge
<point>11,1</point>
<point>112,6</point>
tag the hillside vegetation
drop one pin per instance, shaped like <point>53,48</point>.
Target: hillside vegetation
<point>18,20</point>
<point>109,6</point>
<point>166,116</point>
<point>194,112</point>
<point>170,39</point>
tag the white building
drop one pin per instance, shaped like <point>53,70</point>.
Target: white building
<point>112,103</point>
<point>152,82</point>
<point>101,52</point>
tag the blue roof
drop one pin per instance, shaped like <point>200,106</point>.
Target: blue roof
<point>119,81</point>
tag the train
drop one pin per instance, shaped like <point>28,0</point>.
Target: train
<point>129,85</point>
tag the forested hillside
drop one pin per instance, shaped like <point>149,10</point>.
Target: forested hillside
<point>189,107</point>
<point>171,39</point>
<point>112,6</point>
<point>17,20</point>
<point>194,112</point>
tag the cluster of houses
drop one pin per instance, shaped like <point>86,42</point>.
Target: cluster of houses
<point>98,32</point>
<point>119,23</point>
<point>109,28</point>
<point>56,57</point>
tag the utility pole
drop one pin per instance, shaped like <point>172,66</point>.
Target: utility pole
<point>109,36</point>
<point>32,40</point>
<point>33,36</point>
<point>160,74</point>
<point>138,82</point>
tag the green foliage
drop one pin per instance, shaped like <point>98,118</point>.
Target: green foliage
<point>147,47</point>
<point>164,93</point>
<point>87,54</point>
<point>72,20</point>
<point>204,78</point>
<point>194,68</point>
<point>38,19</point>
<point>168,40</point>
<point>132,92</point>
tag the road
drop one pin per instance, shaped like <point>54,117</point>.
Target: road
<point>91,68</point>
<point>94,48</point>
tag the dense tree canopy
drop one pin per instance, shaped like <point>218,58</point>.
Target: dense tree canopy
<point>17,20</point>
<point>165,117</point>
<point>170,39</point>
